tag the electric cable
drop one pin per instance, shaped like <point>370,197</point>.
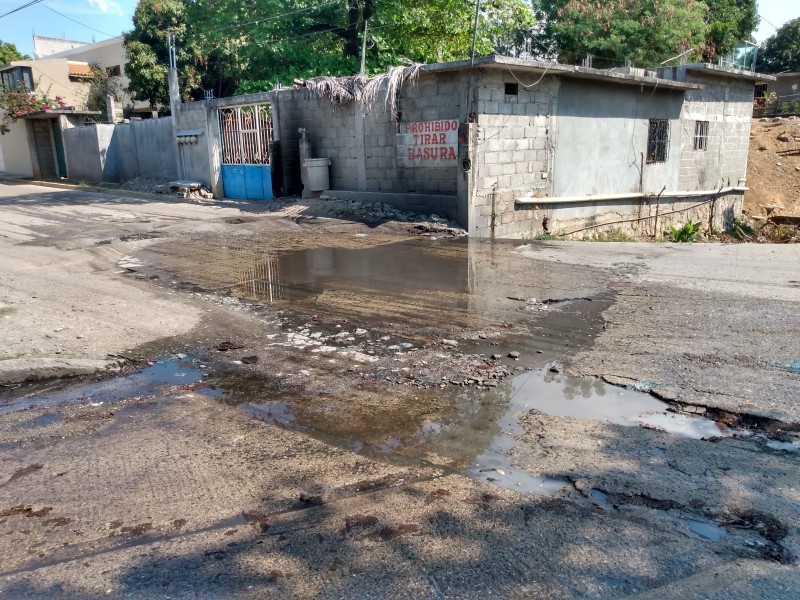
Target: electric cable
<point>19,8</point>
<point>75,21</point>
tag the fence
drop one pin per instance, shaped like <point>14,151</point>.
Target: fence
<point>118,153</point>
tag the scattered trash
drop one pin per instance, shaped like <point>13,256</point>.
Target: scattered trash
<point>791,365</point>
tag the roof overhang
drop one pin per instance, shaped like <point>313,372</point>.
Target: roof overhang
<point>540,67</point>
<point>728,72</point>
<point>49,114</point>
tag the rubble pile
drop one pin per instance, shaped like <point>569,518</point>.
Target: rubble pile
<point>379,211</point>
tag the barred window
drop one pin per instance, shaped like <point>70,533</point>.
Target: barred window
<point>658,141</point>
<point>701,135</point>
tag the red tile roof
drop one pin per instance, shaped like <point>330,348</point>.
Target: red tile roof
<point>79,69</point>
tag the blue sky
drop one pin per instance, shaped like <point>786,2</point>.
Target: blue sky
<point>108,18</point>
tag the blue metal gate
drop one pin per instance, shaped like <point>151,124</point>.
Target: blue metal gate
<point>246,133</point>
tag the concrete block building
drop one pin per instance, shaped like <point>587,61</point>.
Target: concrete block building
<point>539,147</point>
<point>507,147</point>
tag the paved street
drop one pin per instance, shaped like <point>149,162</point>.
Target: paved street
<point>278,403</point>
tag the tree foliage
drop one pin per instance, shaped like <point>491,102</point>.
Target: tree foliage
<point>249,45</point>
<point>728,22</point>
<point>645,32</point>
<point>15,104</point>
<point>781,52</point>
<point>9,52</point>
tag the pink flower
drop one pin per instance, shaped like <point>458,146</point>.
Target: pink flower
<point>46,107</point>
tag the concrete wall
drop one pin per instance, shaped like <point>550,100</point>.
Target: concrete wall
<point>16,150</point>
<point>511,149</point>
<point>330,129</point>
<point>642,217</point>
<point>727,105</point>
<point>786,85</point>
<point>364,147</point>
<point>194,159</point>
<point>602,133</point>
<point>120,152</point>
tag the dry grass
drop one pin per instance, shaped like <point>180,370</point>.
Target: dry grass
<point>365,90</point>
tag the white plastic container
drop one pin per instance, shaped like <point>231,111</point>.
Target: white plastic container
<point>318,172</point>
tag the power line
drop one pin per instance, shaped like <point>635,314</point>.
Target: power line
<point>778,31</point>
<point>31,3</point>
<point>74,21</point>
<point>273,17</point>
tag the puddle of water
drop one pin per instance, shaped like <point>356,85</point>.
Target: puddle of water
<point>475,432</point>
<point>694,528</point>
<point>784,446</point>
<point>588,398</point>
<point>164,373</point>
<point>704,530</point>
<point>414,281</point>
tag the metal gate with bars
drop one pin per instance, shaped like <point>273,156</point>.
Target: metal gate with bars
<point>246,134</point>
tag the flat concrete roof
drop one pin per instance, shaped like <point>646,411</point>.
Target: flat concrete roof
<point>728,72</point>
<point>537,66</point>
<point>46,114</point>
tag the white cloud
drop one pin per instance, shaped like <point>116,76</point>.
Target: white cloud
<point>107,6</point>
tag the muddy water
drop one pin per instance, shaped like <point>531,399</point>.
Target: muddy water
<point>522,304</point>
<point>421,282</point>
<point>169,373</point>
<point>476,430</point>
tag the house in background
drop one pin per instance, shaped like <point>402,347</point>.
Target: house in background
<point>109,56</point>
<point>34,147</point>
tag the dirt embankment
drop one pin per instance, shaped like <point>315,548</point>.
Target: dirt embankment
<point>773,168</point>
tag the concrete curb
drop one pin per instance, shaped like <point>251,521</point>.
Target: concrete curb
<point>20,370</point>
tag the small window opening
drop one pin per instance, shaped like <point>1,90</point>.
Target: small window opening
<point>512,89</point>
<point>114,71</point>
<point>761,90</point>
<point>658,141</point>
<point>701,135</point>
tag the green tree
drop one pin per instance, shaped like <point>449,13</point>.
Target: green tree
<point>781,52</point>
<point>146,47</point>
<point>148,55</point>
<point>9,52</point>
<point>645,32</point>
<point>300,39</point>
<point>248,45</point>
<point>729,22</point>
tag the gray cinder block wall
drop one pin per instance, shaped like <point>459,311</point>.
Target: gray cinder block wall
<point>366,157</point>
<point>511,149</point>
<point>120,152</point>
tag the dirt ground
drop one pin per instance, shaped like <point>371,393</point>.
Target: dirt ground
<point>773,167</point>
<point>302,404</point>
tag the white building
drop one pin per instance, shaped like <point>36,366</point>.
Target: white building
<point>109,55</point>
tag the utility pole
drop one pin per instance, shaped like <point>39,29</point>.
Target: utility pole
<point>474,33</point>
<point>364,50</point>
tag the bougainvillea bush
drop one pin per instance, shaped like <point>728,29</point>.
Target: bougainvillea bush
<point>18,103</point>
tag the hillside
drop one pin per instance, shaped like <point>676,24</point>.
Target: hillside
<point>773,168</point>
